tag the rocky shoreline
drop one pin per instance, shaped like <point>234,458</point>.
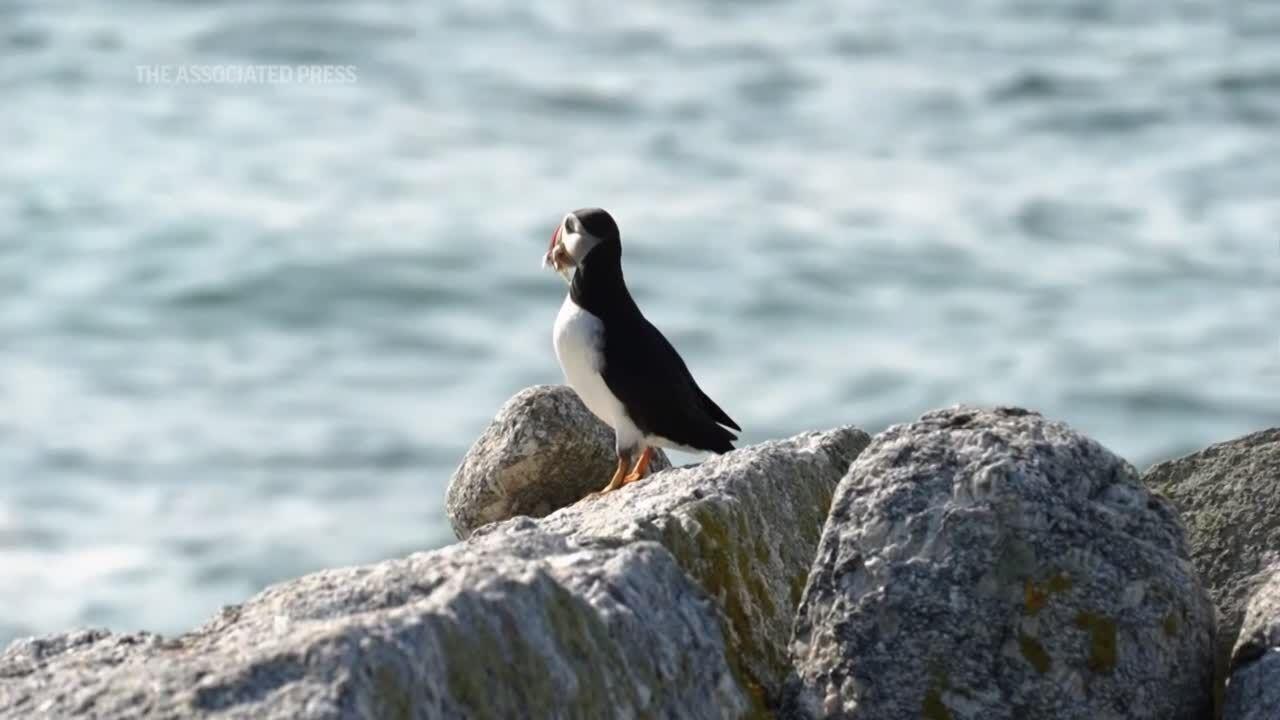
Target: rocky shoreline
<point>973,564</point>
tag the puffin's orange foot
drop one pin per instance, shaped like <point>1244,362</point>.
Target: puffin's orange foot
<point>641,469</point>
<point>617,481</point>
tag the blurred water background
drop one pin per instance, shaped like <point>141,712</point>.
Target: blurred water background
<point>248,330</point>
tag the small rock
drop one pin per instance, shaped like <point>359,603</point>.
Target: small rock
<point>1229,498</point>
<point>543,451</point>
<point>516,623</point>
<point>993,565</point>
<point>1253,691</point>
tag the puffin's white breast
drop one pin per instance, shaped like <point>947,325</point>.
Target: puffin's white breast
<point>579,341</point>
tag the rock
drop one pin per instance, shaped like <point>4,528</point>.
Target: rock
<point>672,597</point>
<point>518,623</point>
<point>744,526</point>
<point>543,451</point>
<point>1253,692</point>
<point>1229,497</point>
<point>991,564</point>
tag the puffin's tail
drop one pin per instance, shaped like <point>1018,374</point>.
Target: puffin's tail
<point>720,416</point>
<point>716,439</point>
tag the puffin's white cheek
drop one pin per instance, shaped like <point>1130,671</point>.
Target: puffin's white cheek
<point>579,245</point>
<point>572,243</point>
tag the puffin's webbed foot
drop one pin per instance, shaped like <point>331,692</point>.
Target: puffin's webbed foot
<point>619,476</point>
<point>641,468</point>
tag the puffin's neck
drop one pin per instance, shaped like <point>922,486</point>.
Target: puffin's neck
<point>598,286</point>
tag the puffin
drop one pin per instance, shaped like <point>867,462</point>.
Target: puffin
<point>622,367</point>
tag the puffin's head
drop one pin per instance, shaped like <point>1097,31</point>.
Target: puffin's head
<point>579,233</point>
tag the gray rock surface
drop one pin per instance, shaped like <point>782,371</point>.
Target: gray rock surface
<point>544,450</point>
<point>1229,498</point>
<point>989,565</point>
<point>744,526</point>
<point>1253,692</point>
<point>672,597</point>
<point>521,623</point>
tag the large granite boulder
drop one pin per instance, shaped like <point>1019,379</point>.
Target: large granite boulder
<point>991,564</point>
<point>1253,692</point>
<point>744,526</point>
<point>1229,497</point>
<point>519,623</point>
<point>544,450</point>
<point>671,597</point>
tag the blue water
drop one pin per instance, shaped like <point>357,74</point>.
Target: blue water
<point>248,330</point>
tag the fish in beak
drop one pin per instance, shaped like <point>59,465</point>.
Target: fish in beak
<point>558,257</point>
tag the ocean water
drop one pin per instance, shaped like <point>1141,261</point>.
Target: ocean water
<point>247,330</point>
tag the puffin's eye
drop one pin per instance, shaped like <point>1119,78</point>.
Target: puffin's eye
<point>571,224</point>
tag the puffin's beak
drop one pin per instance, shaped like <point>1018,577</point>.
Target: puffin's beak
<point>558,257</point>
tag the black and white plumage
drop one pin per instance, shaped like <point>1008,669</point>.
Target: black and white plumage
<point>623,368</point>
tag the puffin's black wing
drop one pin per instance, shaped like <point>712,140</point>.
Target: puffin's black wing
<point>648,376</point>
<point>720,416</point>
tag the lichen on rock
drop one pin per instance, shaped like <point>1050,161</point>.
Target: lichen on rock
<point>744,526</point>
